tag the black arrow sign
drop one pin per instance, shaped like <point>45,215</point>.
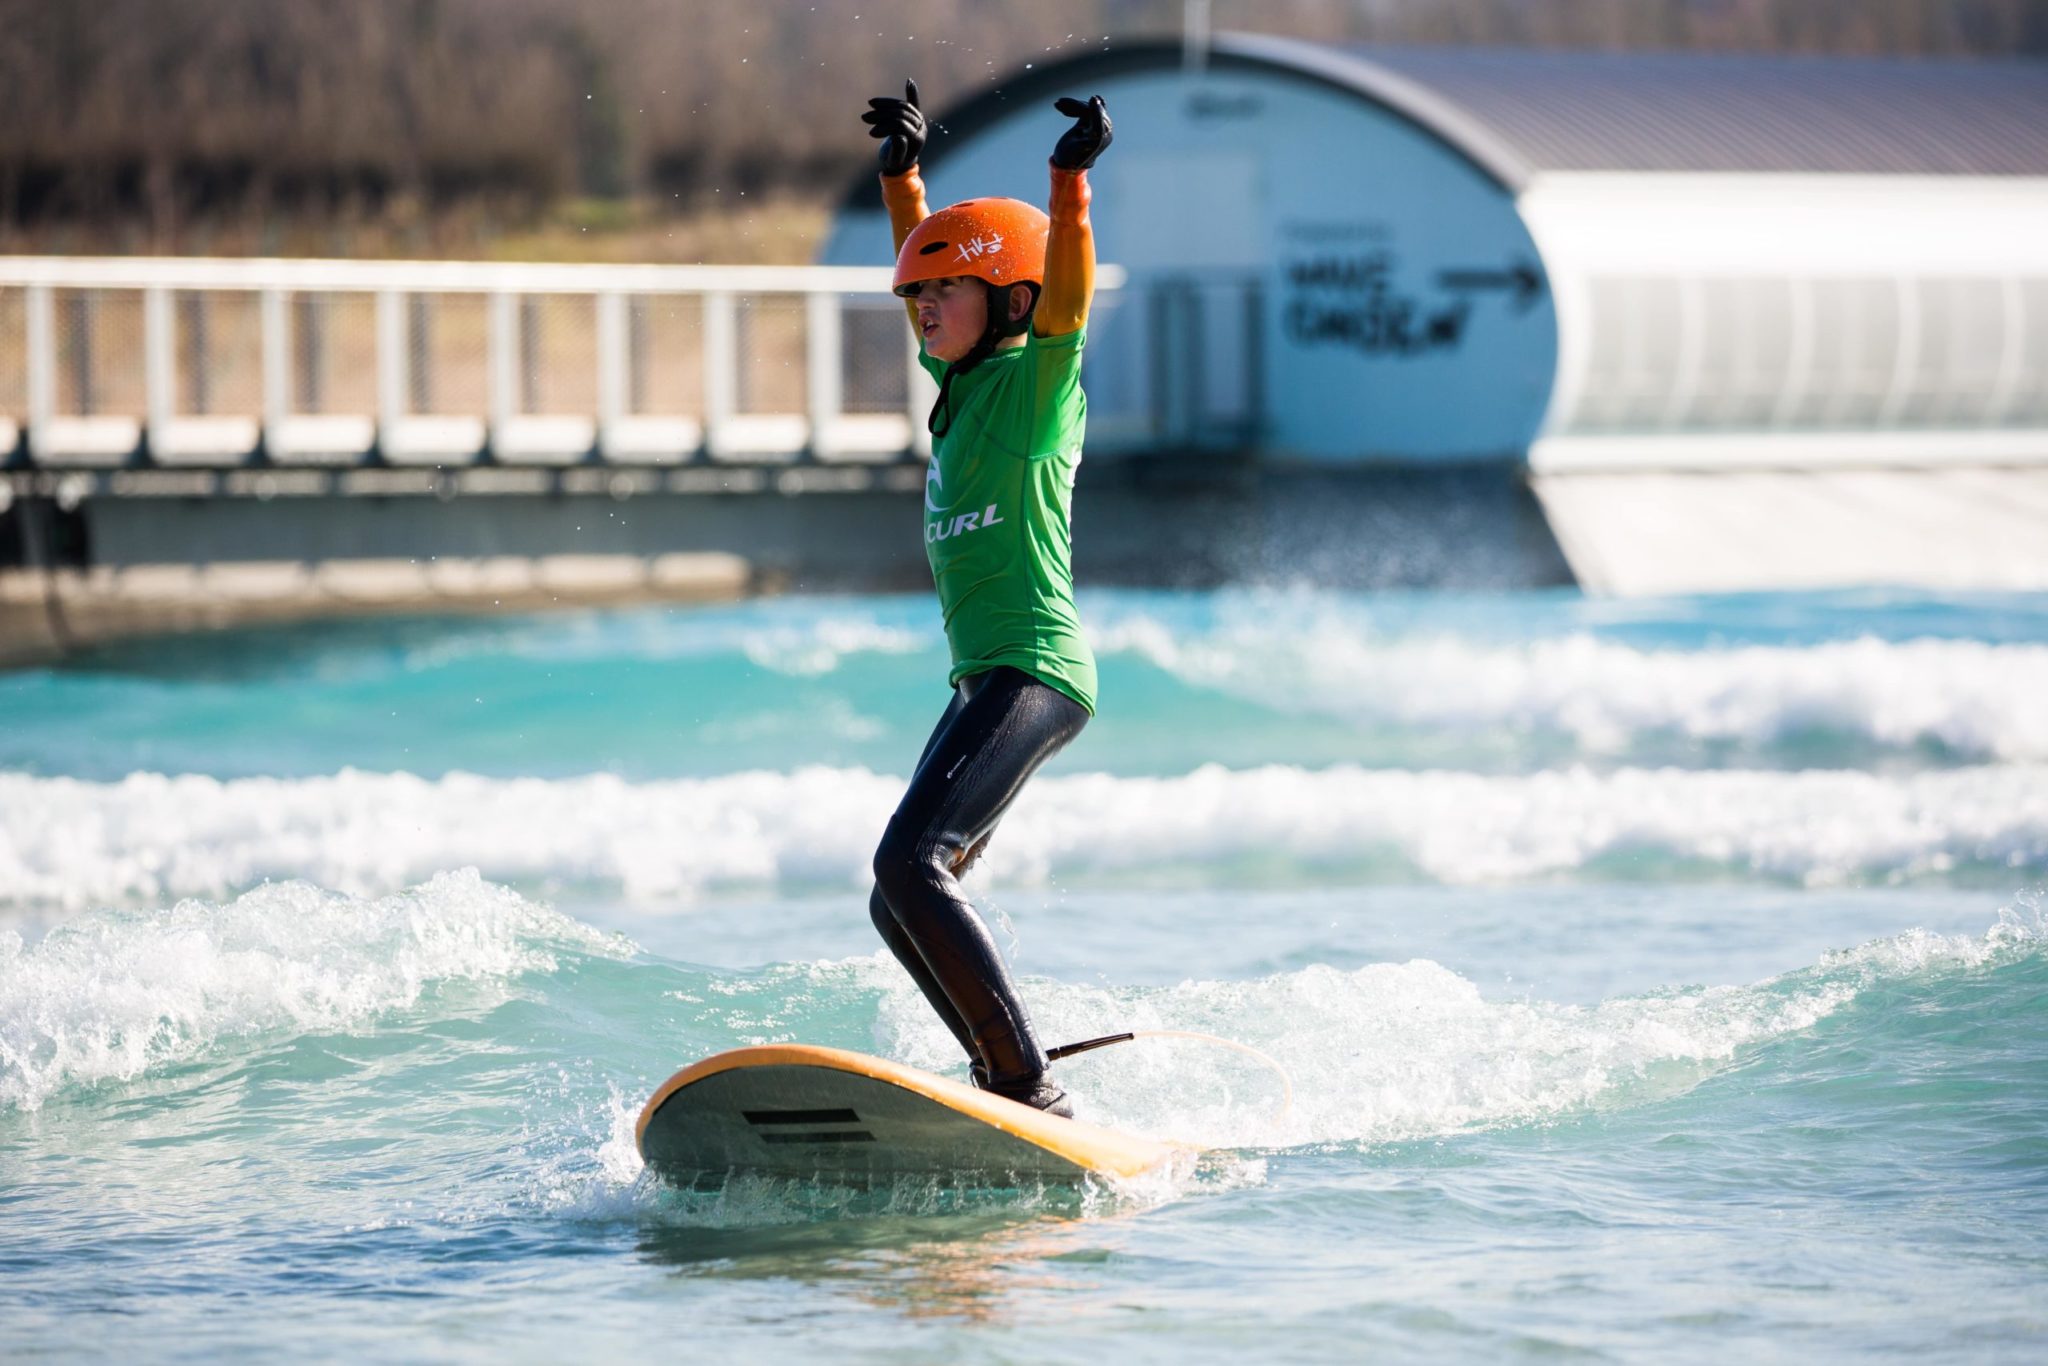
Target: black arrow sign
<point>1521,277</point>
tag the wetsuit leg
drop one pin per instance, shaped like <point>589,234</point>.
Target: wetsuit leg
<point>1008,724</point>
<point>898,939</point>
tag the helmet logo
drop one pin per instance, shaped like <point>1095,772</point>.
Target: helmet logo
<point>979,246</point>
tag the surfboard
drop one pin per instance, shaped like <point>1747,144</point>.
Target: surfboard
<point>794,1110</point>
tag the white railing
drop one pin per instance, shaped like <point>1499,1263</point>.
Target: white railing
<point>207,362</point>
<point>216,364</point>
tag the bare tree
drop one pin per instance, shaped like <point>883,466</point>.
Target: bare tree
<point>160,112</point>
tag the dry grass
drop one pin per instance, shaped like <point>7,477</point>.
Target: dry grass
<point>753,230</point>
<point>772,230</point>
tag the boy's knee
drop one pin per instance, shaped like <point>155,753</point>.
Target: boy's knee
<point>879,912</point>
<point>887,864</point>
<point>902,861</point>
<point>895,863</point>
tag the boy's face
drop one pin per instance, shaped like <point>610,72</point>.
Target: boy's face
<point>952,313</point>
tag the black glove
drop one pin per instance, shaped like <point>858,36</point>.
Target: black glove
<point>1087,139</point>
<point>900,125</point>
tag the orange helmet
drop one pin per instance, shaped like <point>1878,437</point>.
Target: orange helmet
<point>1001,241</point>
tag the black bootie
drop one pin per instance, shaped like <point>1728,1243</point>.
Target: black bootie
<point>1040,1092</point>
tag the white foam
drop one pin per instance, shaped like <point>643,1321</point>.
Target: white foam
<point>1973,698</point>
<point>151,838</point>
<point>112,995</point>
<point>1398,1052</point>
<point>1817,828</point>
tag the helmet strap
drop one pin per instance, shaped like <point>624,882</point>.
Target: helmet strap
<point>1000,326</point>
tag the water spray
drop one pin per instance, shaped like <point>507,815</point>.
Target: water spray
<point>1089,1045</point>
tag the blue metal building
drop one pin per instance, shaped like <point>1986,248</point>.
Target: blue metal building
<point>1582,265</point>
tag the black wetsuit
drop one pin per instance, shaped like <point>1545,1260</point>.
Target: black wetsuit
<point>1000,726</point>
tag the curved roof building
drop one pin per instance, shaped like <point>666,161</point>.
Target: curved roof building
<point>1591,262</point>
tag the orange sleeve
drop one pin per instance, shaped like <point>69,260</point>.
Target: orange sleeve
<point>1069,258</point>
<point>903,196</point>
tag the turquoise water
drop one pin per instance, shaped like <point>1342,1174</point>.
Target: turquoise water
<point>1657,981</point>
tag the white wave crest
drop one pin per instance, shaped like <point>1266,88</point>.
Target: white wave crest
<point>148,837</point>
<point>1395,1052</point>
<point>112,995</point>
<point>1973,698</point>
<point>1329,655</point>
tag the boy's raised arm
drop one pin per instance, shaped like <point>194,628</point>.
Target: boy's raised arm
<point>903,195</point>
<point>900,125</point>
<point>1070,246</point>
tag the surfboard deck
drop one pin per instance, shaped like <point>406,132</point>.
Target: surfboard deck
<point>795,1110</point>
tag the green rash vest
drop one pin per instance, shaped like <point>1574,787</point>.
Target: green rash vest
<point>998,496</point>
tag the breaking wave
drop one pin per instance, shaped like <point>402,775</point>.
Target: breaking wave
<point>115,994</point>
<point>1394,1052</point>
<point>1960,699</point>
<point>150,837</point>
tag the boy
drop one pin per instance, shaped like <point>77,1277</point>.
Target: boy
<point>998,293</point>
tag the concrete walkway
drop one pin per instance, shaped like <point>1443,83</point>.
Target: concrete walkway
<point>44,614</point>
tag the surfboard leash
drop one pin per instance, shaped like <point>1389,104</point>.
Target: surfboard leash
<point>1068,1050</point>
